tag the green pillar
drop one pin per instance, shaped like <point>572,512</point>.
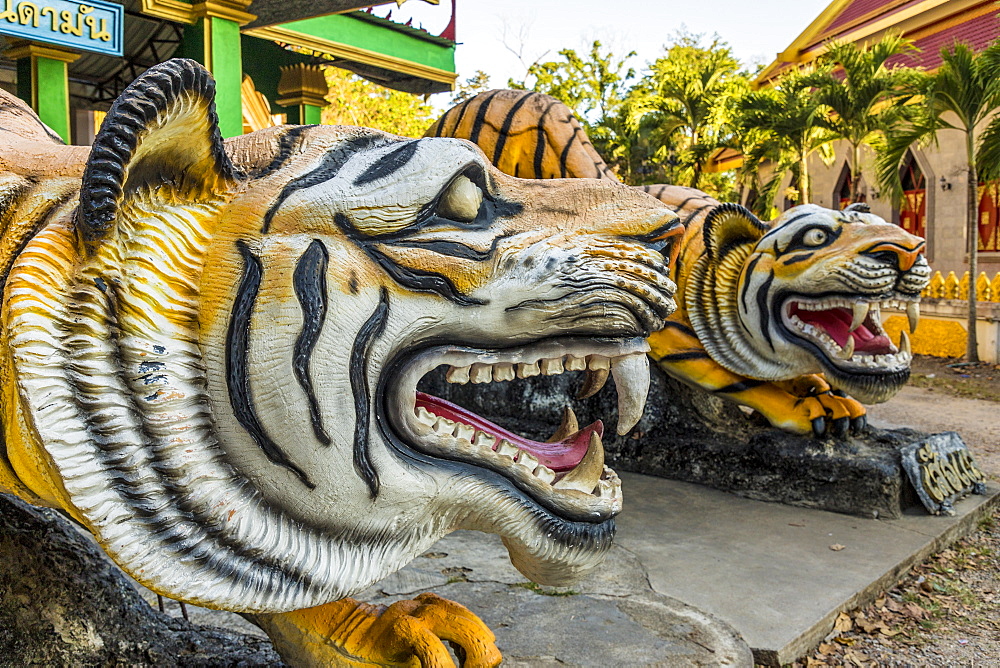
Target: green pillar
<point>303,90</point>
<point>43,82</point>
<point>214,40</point>
<point>224,61</point>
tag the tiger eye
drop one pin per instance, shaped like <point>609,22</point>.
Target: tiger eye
<point>814,237</point>
<point>461,201</point>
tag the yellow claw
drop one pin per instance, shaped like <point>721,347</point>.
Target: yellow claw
<point>408,633</point>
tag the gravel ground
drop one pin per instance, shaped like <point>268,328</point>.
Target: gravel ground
<point>946,612</point>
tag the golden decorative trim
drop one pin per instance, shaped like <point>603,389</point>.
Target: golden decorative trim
<point>230,10</point>
<point>22,49</point>
<point>302,84</point>
<point>171,10</point>
<point>311,100</point>
<point>184,12</point>
<point>353,53</point>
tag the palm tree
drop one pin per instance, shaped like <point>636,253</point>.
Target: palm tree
<point>862,95</point>
<point>962,95</point>
<point>683,99</point>
<point>780,126</point>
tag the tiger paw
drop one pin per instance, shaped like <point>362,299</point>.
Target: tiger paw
<point>408,633</point>
<point>820,409</point>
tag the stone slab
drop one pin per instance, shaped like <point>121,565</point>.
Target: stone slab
<point>613,618</point>
<point>767,569</point>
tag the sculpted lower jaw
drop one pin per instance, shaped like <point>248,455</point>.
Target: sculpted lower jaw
<point>567,471</point>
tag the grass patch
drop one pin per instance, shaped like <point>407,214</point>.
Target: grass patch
<point>543,591</point>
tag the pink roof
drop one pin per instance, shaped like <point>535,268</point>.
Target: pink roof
<point>977,33</point>
<point>855,10</point>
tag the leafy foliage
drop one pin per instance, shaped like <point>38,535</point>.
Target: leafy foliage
<point>471,87</point>
<point>685,103</point>
<point>862,95</point>
<point>354,101</point>
<point>778,129</point>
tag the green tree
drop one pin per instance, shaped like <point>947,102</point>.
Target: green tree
<point>471,87</point>
<point>862,94</point>
<point>354,101</point>
<point>593,85</point>
<point>780,127</point>
<point>685,101</point>
<point>962,95</point>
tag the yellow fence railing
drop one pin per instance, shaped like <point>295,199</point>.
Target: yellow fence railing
<point>953,287</point>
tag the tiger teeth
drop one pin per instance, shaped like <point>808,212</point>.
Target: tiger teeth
<point>552,367</point>
<point>631,374</point>
<point>481,373</point>
<point>904,343</point>
<point>590,476</point>
<point>458,374</point>
<point>860,310</point>
<point>848,350</point>
<point>913,315</point>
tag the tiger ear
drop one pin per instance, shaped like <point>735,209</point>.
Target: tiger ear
<point>162,130</point>
<point>728,226</point>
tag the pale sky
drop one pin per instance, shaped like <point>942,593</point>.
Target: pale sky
<point>756,29</point>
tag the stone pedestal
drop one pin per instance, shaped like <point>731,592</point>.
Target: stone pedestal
<point>687,434</point>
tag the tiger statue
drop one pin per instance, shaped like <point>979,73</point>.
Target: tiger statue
<point>782,317</point>
<point>213,350</point>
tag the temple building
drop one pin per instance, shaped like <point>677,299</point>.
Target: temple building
<point>70,59</point>
<point>934,178</point>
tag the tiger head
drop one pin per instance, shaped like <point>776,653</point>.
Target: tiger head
<point>803,295</point>
<point>224,370</point>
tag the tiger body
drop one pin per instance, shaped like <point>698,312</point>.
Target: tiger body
<point>536,136</point>
<point>212,354</point>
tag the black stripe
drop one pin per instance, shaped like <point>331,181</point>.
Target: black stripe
<point>740,386</point>
<point>477,125</point>
<point>686,355</point>
<point>369,331</point>
<point>309,281</point>
<point>748,274</point>
<point>417,280</point>
<point>391,163</point>
<point>765,315</point>
<point>461,116</point>
<point>237,353</point>
<point>540,142</point>
<point>795,259</point>
<point>505,127</point>
<point>328,168</point>
<point>452,248</point>
<point>670,324</point>
<point>564,156</point>
<point>288,141</point>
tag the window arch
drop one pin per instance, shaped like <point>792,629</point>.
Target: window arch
<point>913,213</point>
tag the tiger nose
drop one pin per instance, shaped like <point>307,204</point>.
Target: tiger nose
<point>896,254</point>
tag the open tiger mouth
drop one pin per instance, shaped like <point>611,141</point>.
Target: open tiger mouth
<point>565,474</point>
<point>849,331</point>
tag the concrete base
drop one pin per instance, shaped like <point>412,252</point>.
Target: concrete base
<point>768,569</point>
<point>613,618</point>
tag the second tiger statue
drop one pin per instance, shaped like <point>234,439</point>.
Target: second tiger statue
<point>780,316</point>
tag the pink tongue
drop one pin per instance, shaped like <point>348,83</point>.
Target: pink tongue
<point>836,322</point>
<point>560,456</point>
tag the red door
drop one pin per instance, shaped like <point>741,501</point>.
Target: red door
<point>988,217</point>
<point>913,215</point>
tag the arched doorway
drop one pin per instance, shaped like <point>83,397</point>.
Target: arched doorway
<point>842,194</point>
<point>913,214</point>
